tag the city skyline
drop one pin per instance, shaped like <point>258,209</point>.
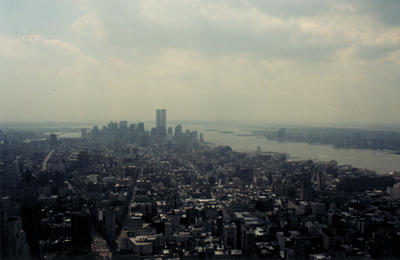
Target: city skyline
<point>123,191</point>
<point>282,139</point>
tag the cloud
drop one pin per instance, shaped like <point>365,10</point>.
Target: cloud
<point>306,30</point>
<point>236,59</point>
<point>385,11</point>
<point>88,25</point>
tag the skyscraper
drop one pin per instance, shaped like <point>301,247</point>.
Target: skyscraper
<point>13,238</point>
<point>84,133</point>
<point>161,121</point>
<point>141,127</point>
<point>123,124</point>
<point>178,130</point>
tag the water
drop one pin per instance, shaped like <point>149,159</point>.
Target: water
<point>380,161</point>
<point>76,134</point>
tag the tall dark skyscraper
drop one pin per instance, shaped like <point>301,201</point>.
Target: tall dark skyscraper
<point>161,121</point>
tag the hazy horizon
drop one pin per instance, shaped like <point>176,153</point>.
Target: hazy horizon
<point>226,124</point>
<point>296,62</point>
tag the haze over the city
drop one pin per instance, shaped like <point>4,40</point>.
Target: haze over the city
<point>293,61</point>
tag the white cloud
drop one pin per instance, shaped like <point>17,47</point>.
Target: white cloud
<point>89,26</point>
<point>204,59</point>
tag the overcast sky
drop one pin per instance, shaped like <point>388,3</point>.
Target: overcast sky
<point>290,61</point>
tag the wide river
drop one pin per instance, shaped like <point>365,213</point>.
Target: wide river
<point>379,161</point>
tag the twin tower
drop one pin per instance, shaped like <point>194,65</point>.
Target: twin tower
<point>161,121</point>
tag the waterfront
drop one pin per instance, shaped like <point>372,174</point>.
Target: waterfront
<point>240,139</point>
<point>380,161</point>
<point>122,182</point>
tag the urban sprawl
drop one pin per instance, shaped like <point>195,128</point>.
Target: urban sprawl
<point>124,192</point>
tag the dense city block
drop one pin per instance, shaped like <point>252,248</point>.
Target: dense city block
<point>124,192</point>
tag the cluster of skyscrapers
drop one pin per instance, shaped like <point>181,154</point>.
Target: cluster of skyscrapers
<point>126,192</point>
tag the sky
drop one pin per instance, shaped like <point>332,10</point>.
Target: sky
<point>299,61</point>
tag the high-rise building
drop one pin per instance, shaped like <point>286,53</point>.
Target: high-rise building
<point>12,237</point>
<point>84,133</point>
<point>53,139</point>
<point>230,235</point>
<point>112,126</point>
<point>81,229</point>
<point>306,190</point>
<point>161,121</point>
<point>141,127</point>
<point>178,130</point>
<point>123,124</point>
<point>321,179</point>
<point>201,138</point>
<point>110,224</point>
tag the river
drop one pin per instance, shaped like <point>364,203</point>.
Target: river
<point>379,161</point>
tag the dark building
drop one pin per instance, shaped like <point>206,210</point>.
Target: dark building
<point>81,230</point>
<point>306,190</point>
<point>59,179</point>
<point>83,160</point>
<point>13,243</point>
<point>53,139</point>
<point>364,183</point>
